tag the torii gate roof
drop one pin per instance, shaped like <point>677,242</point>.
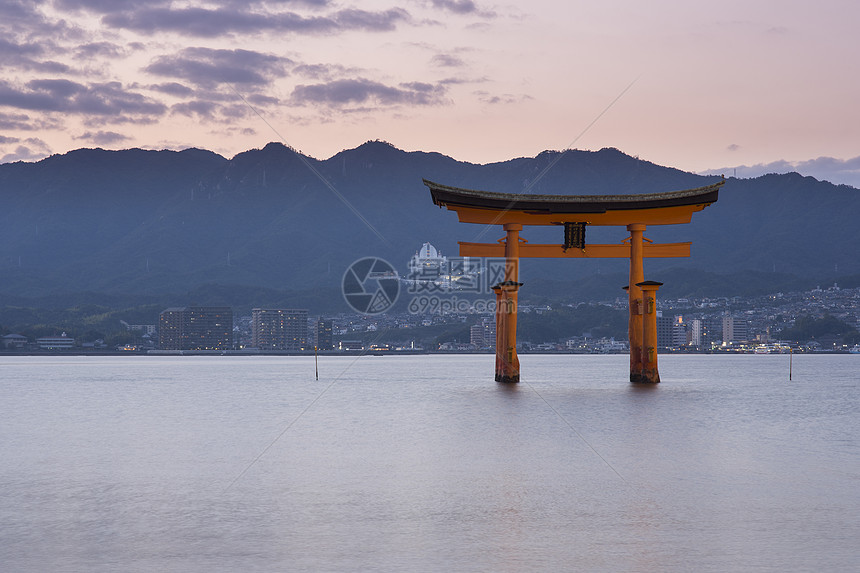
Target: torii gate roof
<point>488,207</point>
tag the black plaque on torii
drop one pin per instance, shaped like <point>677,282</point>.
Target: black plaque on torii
<point>574,236</point>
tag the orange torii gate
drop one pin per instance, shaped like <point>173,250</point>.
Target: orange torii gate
<point>575,213</point>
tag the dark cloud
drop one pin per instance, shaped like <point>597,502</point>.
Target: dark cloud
<point>60,89</point>
<point>201,22</point>
<point>446,61</point>
<point>319,71</point>
<point>61,95</point>
<point>370,21</point>
<point>9,50</point>
<point>361,91</point>
<point>831,163</point>
<point>113,6</point>
<point>7,140</point>
<point>313,71</point>
<point>32,149</point>
<point>17,9</point>
<point>307,3</point>
<point>105,6</point>
<point>103,137</point>
<point>457,6</point>
<point>21,153</point>
<point>733,147</point>
<point>212,110</point>
<point>831,169</point>
<point>28,57</point>
<point>235,111</point>
<point>23,122</point>
<point>50,67</point>
<point>838,171</point>
<point>21,15</point>
<point>239,19</point>
<point>198,108</point>
<point>263,100</point>
<point>172,88</point>
<point>99,50</point>
<point>103,120</point>
<point>459,81</point>
<point>462,7</point>
<point>26,19</point>
<point>208,68</point>
<point>494,99</point>
<point>231,131</point>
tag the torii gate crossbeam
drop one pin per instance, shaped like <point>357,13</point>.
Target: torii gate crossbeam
<point>575,213</point>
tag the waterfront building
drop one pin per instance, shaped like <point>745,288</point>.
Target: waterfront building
<point>325,328</point>
<point>13,342</point>
<point>150,329</point>
<point>671,331</point>
<point>735,330</point>
<point>664,330</point>
<point>195,328</point>
<point>679,332</point>
<point>279,329</point>
<point>172,324</point>
<point>697,330</point>
<point>62,342</point>
<point>430,271</point>
<point>427,263</point>
<point>351,345</point>
<point>713,330</point>
<point>476,335</point>
<point>488,333</point>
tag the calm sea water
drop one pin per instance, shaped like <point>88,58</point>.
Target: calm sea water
<point>423,463</point>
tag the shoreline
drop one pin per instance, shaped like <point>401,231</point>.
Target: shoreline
<point>181,353</point>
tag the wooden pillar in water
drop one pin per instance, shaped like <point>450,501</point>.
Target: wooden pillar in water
<point>634,292</point>
<point>650,374</point>
<point>507,361</point>
<point>502,301</point>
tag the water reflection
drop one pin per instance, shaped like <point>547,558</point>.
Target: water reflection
<point>506,388</point>
<point>401,465</point>
<point>642,389</point>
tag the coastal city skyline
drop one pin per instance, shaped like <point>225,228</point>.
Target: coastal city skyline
<point>745,88</point>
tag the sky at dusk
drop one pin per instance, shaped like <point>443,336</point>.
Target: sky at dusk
<point>702,86</point>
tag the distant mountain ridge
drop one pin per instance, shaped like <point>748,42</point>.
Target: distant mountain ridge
<point>152,223</point>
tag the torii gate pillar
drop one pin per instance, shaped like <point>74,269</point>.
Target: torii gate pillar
<point>637,275</point>
<point>649,375</point>
<point>507,361</point>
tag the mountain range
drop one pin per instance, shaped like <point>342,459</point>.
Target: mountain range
<point>160,225</point>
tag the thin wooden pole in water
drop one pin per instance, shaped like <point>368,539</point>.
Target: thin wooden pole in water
<point>317,364</point>
<point>790,356</point>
